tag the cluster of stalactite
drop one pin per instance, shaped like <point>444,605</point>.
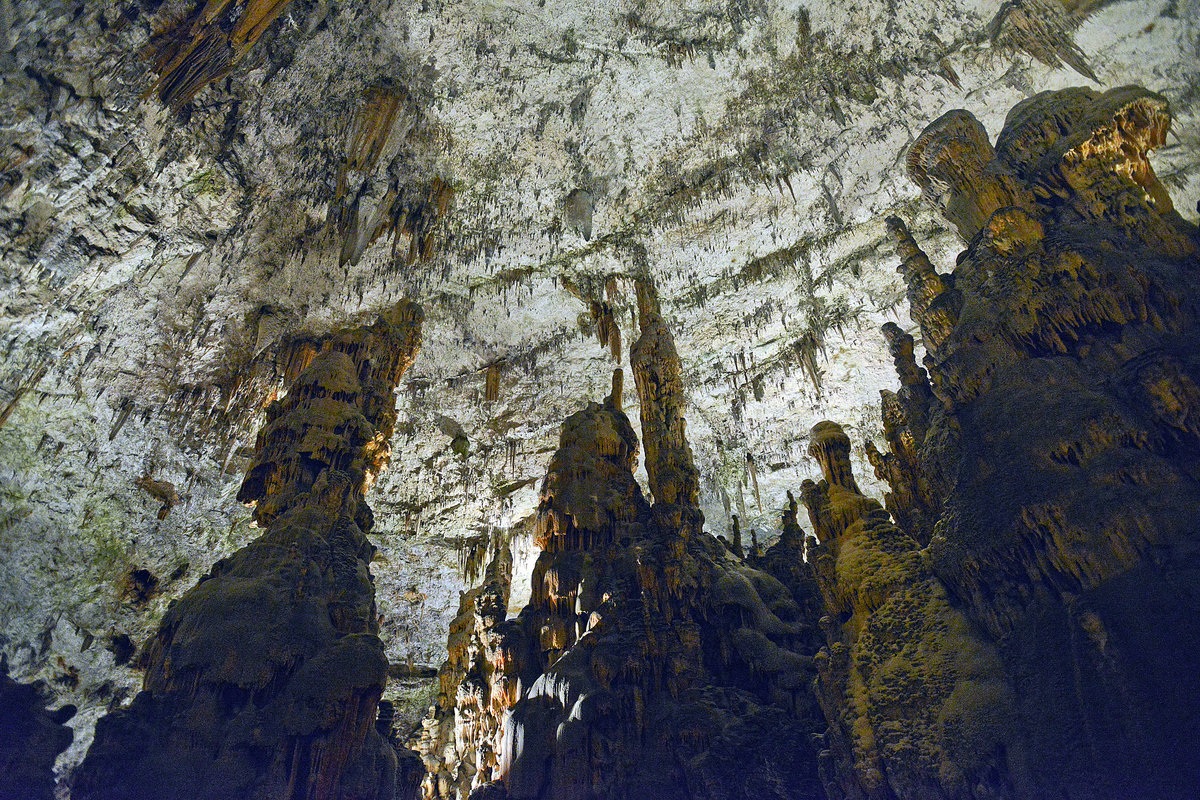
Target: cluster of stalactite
<point>1026,626</point>
<point>264,680</point>
<point>193,51</point>
<point>650,655</point>
<point>388,120</point>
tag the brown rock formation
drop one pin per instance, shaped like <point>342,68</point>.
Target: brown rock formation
<point>655,365</point>
<point>1043,29</point>
<point>479,681</point>
<point>917,702</point>
<point>917,488</point>
<point>204,46</point>
<point>263,680</point>
<point>948,161</point>
<point>649,657</point>
<point>1069,389</point>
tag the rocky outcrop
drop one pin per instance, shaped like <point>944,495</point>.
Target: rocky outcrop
<point>263,681</point>
<point>1057,465</point>
<point>31,737</point>
<point>650,657</point>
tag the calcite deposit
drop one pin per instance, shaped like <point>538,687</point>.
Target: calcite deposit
<point>1049,462</point>
<point>264,680</point>
<point>649,654</point>
<point>205,204</point>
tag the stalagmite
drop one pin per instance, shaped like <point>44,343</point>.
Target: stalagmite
<point>655,364</point>
<point>949,160</point>
<point>934,302</point>
<point>263,680</point>
<point>1054,484</point>
<point>917,703</point>
<point>646,652</point>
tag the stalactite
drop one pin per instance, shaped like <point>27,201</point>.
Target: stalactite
<point>204,46</point>
<point>491,387</point>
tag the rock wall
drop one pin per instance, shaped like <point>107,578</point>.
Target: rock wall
<point>263,681</point>
<point>1047,644</point>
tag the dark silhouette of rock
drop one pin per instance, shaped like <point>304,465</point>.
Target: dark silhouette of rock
<point>31,738</point>
<point>1054,474</point>
<point>650,658</point>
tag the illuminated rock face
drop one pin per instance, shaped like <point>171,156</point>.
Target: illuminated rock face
<point>1059,454</point>
<point>649,657</point>
<point>263,681</point>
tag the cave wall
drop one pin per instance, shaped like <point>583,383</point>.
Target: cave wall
<point>514,170</point>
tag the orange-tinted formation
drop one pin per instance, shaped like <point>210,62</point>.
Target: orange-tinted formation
<point>1040,645</point>
<point>204,46</point>
<point>1017,623</point>
<point>263,681</point>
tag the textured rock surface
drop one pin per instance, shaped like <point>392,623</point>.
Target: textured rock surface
<point>917,701</point>
<point>1064,379</point>
<point>264,680</point>
<point>515,168</point>
<point>649,657</point>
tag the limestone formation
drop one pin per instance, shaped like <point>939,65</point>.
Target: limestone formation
<point>673,479</point>
<point>917,703</point>
<point>649,656</point>
<point>949,162</point>
<point>205,45</point>
<point>1059,462</point>
<point>263,680</point>
<point>1041,28</point>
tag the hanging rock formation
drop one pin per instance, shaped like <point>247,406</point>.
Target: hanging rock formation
<point>650,657</point>
<point>263,680</point>
<point>1059,455</point>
